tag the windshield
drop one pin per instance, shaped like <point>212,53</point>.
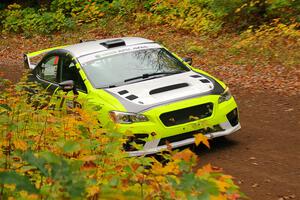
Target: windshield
<point>123,68</point>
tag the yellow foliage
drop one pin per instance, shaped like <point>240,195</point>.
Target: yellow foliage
<point>201,138</point>
<point>88,158</point>
<point>205,169</point>
<point>223,186</point>
<point>25,195</point>
<point>20,144</point>
<point>169,168</point>
<point>62,149</point>
<point>219,197</point>
<point>93,190</point>
<point>186,155</point>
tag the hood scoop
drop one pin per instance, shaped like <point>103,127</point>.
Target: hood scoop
<point>168,88</point>
<point>123,92</point>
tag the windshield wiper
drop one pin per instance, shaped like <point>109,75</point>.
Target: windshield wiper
<point>144,76</point>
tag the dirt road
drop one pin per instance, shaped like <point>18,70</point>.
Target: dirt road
<point>264,155</point>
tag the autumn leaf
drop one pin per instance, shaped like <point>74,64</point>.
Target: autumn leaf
<point>170,168</point>
<point>88,165</point>
<point>222,185</point>
<point>26,195</point>
<point>233,196</point>
<point>225,177</point>
<point>20,144</point>
<point>92,190</point>
<point>134,166</point>
<point>219,197</point>
<point>88,158</point>
<point>9,135</point>
<point>205,169</point>
<point>185,155</point>
<point>169,146</point>
<point>201,138</point>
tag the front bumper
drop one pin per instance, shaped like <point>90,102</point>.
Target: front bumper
<point>151,147</point>
<point>224,116</point>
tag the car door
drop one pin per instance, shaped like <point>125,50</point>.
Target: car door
<point>52,70</point>
<point>69,71</point>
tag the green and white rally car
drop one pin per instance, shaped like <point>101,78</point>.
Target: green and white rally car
<point>142,87</point>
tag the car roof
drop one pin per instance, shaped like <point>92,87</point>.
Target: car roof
<point>89,47</point>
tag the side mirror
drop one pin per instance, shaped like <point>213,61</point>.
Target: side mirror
<point>67,85</point>
<point>188,60</point>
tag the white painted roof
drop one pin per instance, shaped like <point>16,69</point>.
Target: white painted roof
<point>89,47</point>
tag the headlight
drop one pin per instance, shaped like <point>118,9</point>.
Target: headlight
<point>225,96</point>
<point>127,118</point>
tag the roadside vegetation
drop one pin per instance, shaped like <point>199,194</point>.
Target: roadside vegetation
<point>197,16</point>
<point>65,154</point>
<point>252,45</point>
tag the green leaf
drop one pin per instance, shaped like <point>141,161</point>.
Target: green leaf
<point>71,146</point>
<point>83,130</point>
<point>184,166</point>
<point>114,181</point>
<point>208,187</point>
<point>204,196</point>
<point>21,182</point>
<point>50,157</point>
<point>45,190</point>
<point>37,162</point>
<point>76,189</point>
<point>5,106</point>
<point>188,181</point>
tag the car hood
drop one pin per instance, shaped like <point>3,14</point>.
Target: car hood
<point>143,95</point>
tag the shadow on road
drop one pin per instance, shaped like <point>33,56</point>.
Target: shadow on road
<point>216,145</point>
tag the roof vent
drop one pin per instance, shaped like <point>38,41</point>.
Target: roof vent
<point>82,40</point>
<point>113,43</point>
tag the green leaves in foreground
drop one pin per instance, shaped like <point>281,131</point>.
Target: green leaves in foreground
<point>59,170</point>
<point>21,182</point>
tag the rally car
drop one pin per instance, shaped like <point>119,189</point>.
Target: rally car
<point>141,87</point>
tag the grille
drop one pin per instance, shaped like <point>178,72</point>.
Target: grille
<point>184,136</point>
<point>187,114</point>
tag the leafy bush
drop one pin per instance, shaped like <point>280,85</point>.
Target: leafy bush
<point>269,40</point>
<point>287,10</point>
<point>198,16</point>
<point>67,6</point>
<point>259,12</point>
<point>65,154</point>
<point>29,20</point>
<point>210,16</point>
<point>62,15</point>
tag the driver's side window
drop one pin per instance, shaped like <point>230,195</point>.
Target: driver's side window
<point>49,68</point>
<point>70,72</point>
